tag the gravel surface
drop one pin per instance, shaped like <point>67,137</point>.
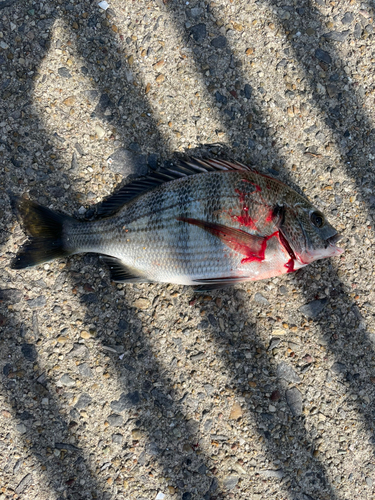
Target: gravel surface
<point>152,392</point>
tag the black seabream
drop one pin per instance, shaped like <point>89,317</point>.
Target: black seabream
<point>203,222</point>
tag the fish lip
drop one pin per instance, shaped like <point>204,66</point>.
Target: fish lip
<point>334,239</point>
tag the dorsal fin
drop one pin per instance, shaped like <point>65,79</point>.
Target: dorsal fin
<point>182,168</point>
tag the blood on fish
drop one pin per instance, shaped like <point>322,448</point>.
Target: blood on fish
<point>260,255</point>
<point>270,216</point>
<point>290,266</point>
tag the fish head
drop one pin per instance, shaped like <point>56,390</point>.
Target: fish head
<point>308,233</point>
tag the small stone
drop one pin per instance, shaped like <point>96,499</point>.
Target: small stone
<point>137,434</point>
<point>260,299</point>
<point>247,91</point>
<point>100,132</point>
<point>199,32</point>
<point>275,396</point>
<point>369,481</point>
<point>314,308</point>
<point>148,88</point>
<point>115,420</point>
<point>79,351</point>
<point>29,352</point>
<point>348,18</point>
<point>277,474</point>
<point>294,400</point>
<point>85,370</point>
<point>62,339</point>
<point>230,482</point>
<point>338,368</point>
<point>117,438</point>
<point>357,31</point>
<point>69,101</point>
<point>141,303</point>
<point>160,78</point>
<point>236,412</point>
<point>64,72</point>
<point>220,98</point>
<point>67,381</point>
<point>85,335</point>
<point>323,56</point>
<point>337,36</point>
<point>160,496</point>
<point>287,373</point>
<point>158,64</point>
<point>36,303</point>
<point>219,42</point>
<point>83,401</point>
<point>21,428</point>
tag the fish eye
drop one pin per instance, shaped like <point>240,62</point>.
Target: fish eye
<point>317,219</point>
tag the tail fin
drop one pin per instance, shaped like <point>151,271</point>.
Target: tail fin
<point>45,229</point>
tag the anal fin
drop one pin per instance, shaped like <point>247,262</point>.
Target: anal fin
<point>120,273</point>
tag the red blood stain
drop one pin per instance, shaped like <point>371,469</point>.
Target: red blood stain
<point>290,264</point>
<point>253,255</point>
<point>269,217</point>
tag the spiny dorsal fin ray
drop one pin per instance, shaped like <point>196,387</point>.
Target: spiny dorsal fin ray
<point>182,168</point>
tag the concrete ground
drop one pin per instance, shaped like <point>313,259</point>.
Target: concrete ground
<point>151,392</point>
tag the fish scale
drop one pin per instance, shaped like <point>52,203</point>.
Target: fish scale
<point>227,224</point>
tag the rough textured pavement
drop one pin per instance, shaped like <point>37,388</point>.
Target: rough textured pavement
<point>150,392</point>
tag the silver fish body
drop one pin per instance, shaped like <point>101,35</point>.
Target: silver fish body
<point>220,226</point>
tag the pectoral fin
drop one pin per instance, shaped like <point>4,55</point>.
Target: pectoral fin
<point>251,246</point>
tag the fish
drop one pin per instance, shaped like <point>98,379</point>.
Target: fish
<point>203,222</point>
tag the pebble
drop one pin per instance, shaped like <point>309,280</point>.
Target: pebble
<point>337,36</point>
<point>85,370</point>
<point>230,482</point>
<point>219,42</point>
<point>21,428</point>
<point>236,412</point>
<point>314,308</point>
<point>37,302</point>
<point>260,299</point>
<point>294,400</point>
<point>117,438</point>
<point>83,401</point>
<point>287,373</point>
<point>67,380</point>
<point>64,72</point>
<point>115,420</point>
<point>141,303</point>
<point>99,131</point>
<point>29,352</point>
<point>277,474</point>
<point>199,32</point>
<point>323,56</point>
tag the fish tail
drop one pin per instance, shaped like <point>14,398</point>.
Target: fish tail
<point>45,229</point>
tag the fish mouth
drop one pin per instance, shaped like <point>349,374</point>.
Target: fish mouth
<point>334,239</point>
